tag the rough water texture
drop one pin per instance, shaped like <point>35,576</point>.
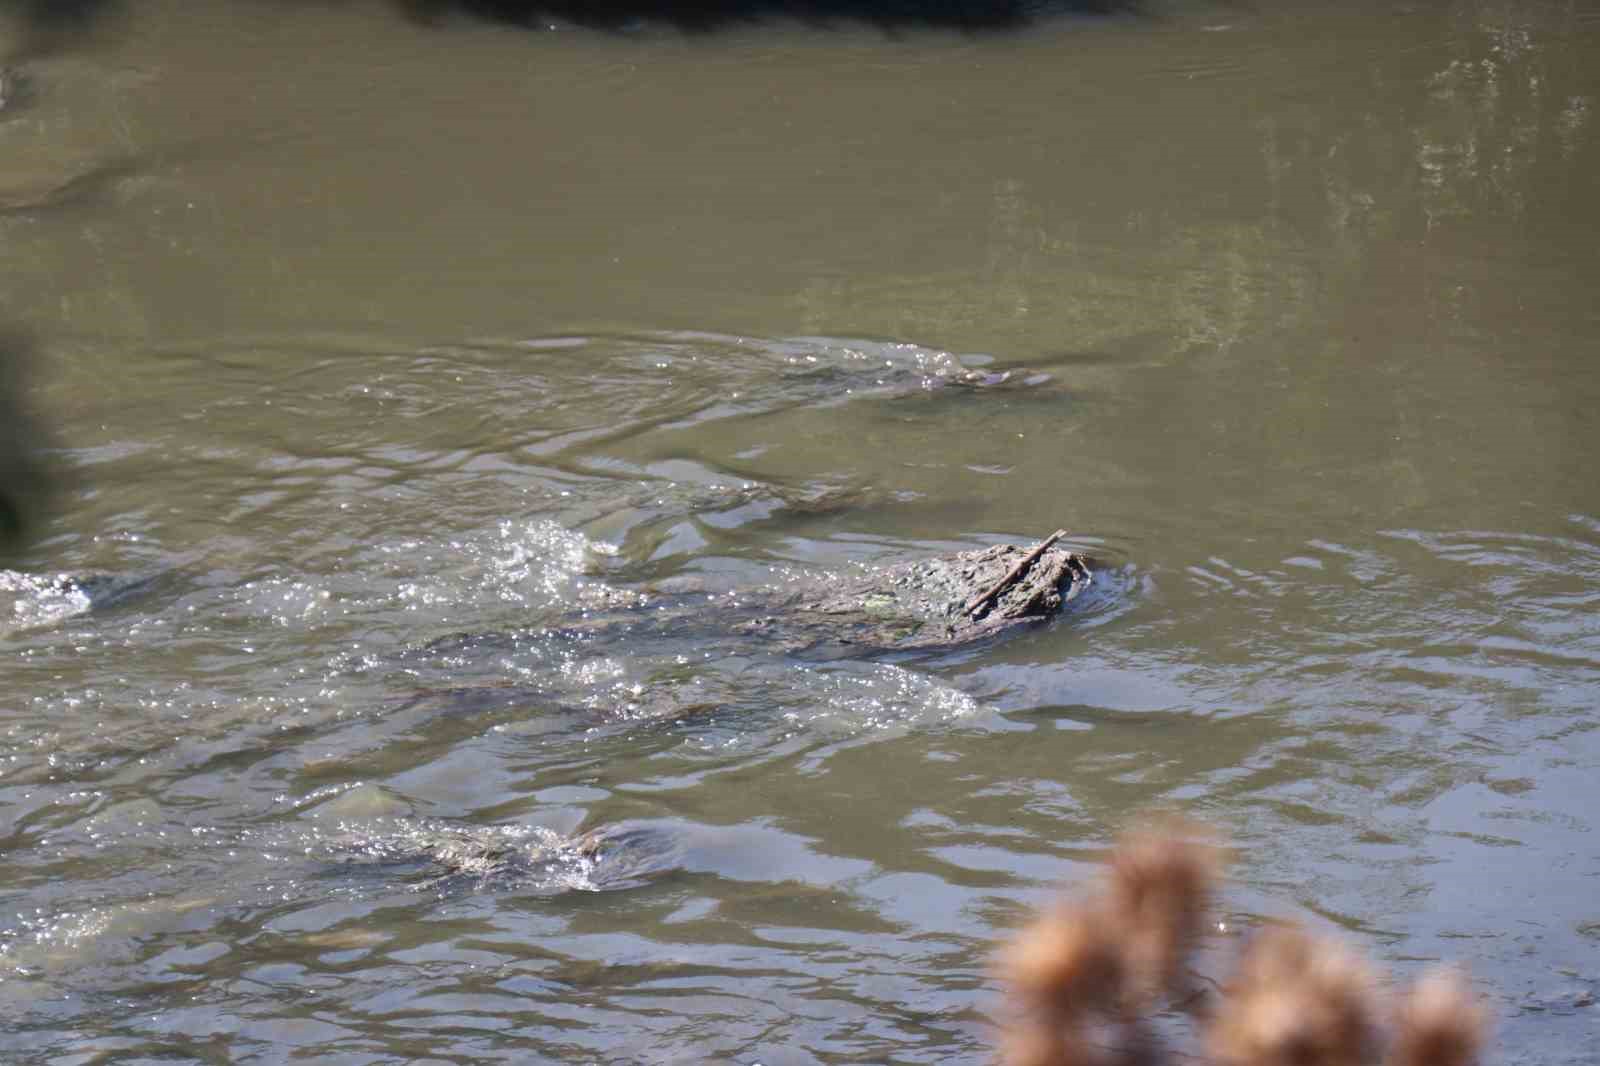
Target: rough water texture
<point>1312,284</point>
<point>440,857</point>
<point>935,602</point>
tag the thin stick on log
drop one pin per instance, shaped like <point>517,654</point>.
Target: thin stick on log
<point>1013,574</point>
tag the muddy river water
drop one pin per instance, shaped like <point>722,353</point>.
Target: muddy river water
<point>378,356</point>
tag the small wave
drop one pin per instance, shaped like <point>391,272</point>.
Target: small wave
<point>37,600</point>
<point>40,600</point>
<point>446,858</point>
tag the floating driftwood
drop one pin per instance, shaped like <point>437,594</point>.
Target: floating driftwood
<point>983,598</point>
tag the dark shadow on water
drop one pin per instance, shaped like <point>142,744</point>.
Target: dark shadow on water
<point>22,478</point>
<point>52,24</point>
<point>701,16</point>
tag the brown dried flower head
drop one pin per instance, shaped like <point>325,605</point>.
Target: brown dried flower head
<point>1066,963</point>
<point>1161,881</point>
<point>1080,976</point>
<point>1441,1023</point>
<point>1297,1000</point>
<point>1040,1043</point>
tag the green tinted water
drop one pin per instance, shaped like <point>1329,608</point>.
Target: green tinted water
<point>355,334</point>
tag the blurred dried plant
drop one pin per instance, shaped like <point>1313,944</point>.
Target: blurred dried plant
<point>1085,977</point>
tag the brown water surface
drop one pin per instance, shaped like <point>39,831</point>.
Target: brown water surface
<point>358,333</point>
